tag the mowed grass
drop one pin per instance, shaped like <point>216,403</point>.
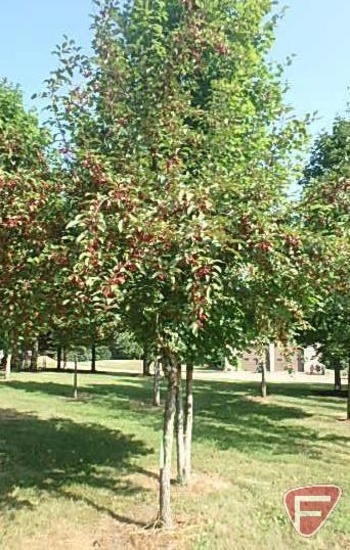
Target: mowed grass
<point>83,474</point>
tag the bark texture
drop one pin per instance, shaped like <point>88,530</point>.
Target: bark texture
<point>337,377</point>
<point>165,514</point>
<point>93,357</point>
<point>3,361</point>
<point>59,358</point>
<point>146,364</point>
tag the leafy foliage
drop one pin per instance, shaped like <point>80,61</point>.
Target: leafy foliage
<point>22,140</point>
<point>124,346</point>
<point>29,201</point>
<point>179,152</point>
<point>326,207</point>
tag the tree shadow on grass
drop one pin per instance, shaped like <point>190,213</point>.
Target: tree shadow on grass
<point>99,372</point>
<point>138,388</point>
<point>226,413</point>
<point>49,455</point>
<point>230,415</point>
<point>313,393</point>
<point>300,390</point>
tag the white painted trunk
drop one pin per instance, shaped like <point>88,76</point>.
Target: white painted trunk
<point>75,379</point>
<point>165,515</point>
<point>348,404</point>
<point>8,368</point>
<point>156,384</point>
<point>188,421</point>
<point>179,424</point>
<point>263,380</point>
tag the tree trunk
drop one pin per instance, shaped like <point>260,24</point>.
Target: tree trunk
<point>348,404</point>
<point>34,356</point>
<point>179,428</point>
<point>263,387</point>
<point>15,359</point>
<point>165,516</point>
<point>8,367</point>
<point>59,358</point>
<point>64,358</point>
<point>188,421</point>
<point>3,361</point>
<point>21,361</point>
<point>156,384</point>
<point>93,357</point>
<point>337,377</point>
<point>26,361</point>
<point>75,379</point>
<point>146,363</point>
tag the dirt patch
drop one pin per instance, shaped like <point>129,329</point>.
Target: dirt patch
<point>114,535</point>
<point>201,483</point>
<point>257,399</point>
<point>106,534</point>
<point>62,535</point>
<point>204,484</point>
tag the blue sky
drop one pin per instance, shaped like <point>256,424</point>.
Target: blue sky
<point>315,30</point>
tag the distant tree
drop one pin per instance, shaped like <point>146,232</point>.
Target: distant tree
<point>28,197</point>
<point>22,140</point>
<point>326,212</point>
<point>125,346</point>
<point>330,154</point>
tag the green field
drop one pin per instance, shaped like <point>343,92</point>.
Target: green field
<point>83,474</point>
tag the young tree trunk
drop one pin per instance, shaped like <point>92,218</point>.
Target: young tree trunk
<point>179,428</point>
<point>156,384</point>
<point>3,361</point>
<point>337,377</point>
<point>59,358</point>
<point>34,356</point>
<point>165,516</point>
<point>348,404</point>
<point>64,358</point>
<point>26,361</point>
<point>75,379</point>
<point>263,386</point>
<point>146,365</point>
<point>93,357</point>
<point>21,364</point>
<point>15,359</point>
<point>8,367</point>
<point>188,421</point>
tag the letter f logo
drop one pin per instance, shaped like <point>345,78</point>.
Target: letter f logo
<point>309,507</point>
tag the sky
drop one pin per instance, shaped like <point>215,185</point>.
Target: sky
<point>316,31</point>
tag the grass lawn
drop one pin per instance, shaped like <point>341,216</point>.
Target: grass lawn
<point>83,475</point>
